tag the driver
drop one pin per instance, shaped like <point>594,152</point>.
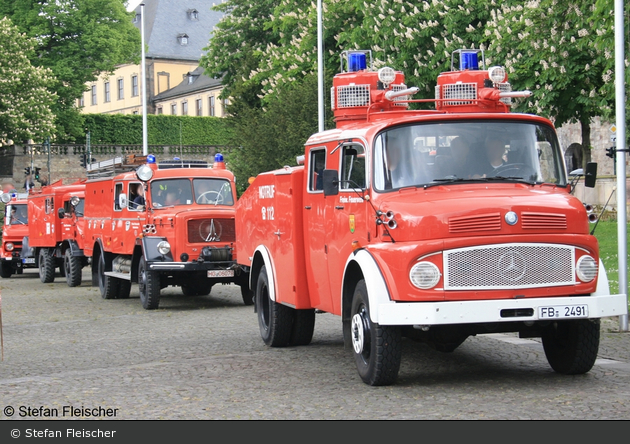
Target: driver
<point>203,195</point>
<point>494,156</point>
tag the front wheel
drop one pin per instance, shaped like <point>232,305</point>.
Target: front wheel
<point>377,349</point>
<point>72,265</point>
<point>275,320</point>
<point>108,285</point>
<point>149,286</point>
<point>571,347</point>
<point>46,266</point>
<point>6,269</point>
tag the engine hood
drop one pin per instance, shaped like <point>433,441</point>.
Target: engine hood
<point>443,212</point>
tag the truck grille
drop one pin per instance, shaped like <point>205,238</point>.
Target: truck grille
<point>509,266</point>
<point>211,230</point>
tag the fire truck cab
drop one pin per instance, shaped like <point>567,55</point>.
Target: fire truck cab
<point>433,225</point>
<point>13,231</point>
<point>54,240</point>
<point>160,225</point>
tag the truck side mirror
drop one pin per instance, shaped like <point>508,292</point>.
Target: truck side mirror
<point>591,174</point>
<point>331,182</point>
<point>122,201</point>
<point>61,213</point>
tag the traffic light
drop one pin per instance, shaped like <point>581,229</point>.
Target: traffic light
<point>37,173</point>
<point>27,171</point>
<point>610,152</point>
<point>83,160</point>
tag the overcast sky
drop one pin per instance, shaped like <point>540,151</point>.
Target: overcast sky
<point>131,4</point>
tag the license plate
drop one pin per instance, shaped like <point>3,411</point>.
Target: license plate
<point>563,312</point>
<point>220,273</point>
<point>29,260</point>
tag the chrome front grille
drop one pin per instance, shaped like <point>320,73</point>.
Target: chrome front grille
<point>211,230</point>
<point>509,266</point>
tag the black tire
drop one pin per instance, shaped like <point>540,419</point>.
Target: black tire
<point>125,289</point>
<point>62,269</point>
<point>72,265</point>
<point>247,295</point>
<point>46,267</point>
<point>377,350</point>
<point>275,320</point>
<point>149,286</point>
<point>571,347</point>
<point>6,269</point>
<point>197,289</point>
<point>303,327</point>
<point>109,286</point>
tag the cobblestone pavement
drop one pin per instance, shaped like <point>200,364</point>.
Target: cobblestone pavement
<point>203,358</point>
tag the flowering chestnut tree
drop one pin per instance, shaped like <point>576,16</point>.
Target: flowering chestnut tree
<point>25,98</point>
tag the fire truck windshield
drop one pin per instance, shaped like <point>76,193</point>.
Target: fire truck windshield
<point>170,192</point>
<point>17,214</point>
<point>213,192</point>
<point>432,154</point>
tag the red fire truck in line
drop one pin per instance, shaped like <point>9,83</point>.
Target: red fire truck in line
<point>433,225</point>
<point>55,235</point>
<point>15,228</point>
<point>171,224</point>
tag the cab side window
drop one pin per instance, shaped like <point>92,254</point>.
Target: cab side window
<point>118,190</point>
<point>317,163</point>
<point>353,167</point>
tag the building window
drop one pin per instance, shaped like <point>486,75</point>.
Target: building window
<point>193,14</point>
<point>134,86</point>
<point>174,109</point>
<point>198,106</point>
<point>107,98</point>
<point>182,39</point>
<point>184,108</point>
<point>82,100</point>
<point>135,112</point>
<point>226,102</point>
<point>160,110</point>
<point>93,94</point>
<point>136,18</point>
<point>121,89</point>
<point>211,110</point>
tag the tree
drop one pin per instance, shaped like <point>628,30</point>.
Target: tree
<point>25,100</point>
<point>77,40</point>
<point>547,48</point>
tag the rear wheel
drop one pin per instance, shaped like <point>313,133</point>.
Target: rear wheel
<point>571,347</point>
<point>197,289</point>
<point>46,267</point>
<point>247,295</point>
<point>72,265</point>
<point>377,349</point>
<point>6,269</point>
<point>149,286</point>
<point>108,285</point>
<point>125,289</point>
<point>275,320</point>
<point>303,327</point>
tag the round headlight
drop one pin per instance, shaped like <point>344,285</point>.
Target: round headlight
<point>586,268</point>
<point>164,247</point>
<point>144,173</point>
<point>8,246</point>
<point>5,197</point>
<point>497,74</point>
<point>425,275</point>
<point>386,75</point>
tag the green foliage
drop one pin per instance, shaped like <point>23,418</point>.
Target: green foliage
<point>606,234</point>
<point>25,97</point>
<point>272,138</point>
<point>126,129</point>
<point>77,41</point>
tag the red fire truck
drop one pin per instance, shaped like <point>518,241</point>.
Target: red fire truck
<point>55,236</point>
<point>171,224</point>
<point>430,225</point>
<point>14,229</point>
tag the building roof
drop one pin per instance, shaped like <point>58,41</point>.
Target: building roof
<point>195,81</point>
<point>168,21</point>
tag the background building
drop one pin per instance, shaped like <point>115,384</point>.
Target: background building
<point>176,31</point>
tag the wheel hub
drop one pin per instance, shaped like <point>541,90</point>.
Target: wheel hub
<point>357,333</point>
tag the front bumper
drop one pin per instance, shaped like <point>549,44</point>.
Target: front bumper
<point>502,310</point>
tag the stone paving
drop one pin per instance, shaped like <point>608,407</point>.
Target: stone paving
<point>199,358</point>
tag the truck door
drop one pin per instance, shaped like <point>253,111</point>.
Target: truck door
<point>315,230</point>
<point>346,216</point>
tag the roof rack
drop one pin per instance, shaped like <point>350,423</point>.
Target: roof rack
<point>166,164</point>
<point>112,167</point>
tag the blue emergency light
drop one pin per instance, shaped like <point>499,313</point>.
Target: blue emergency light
<point>468,60</point>
<point>150,158</point>
<point>218,157</point>
<point>356,61</point>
